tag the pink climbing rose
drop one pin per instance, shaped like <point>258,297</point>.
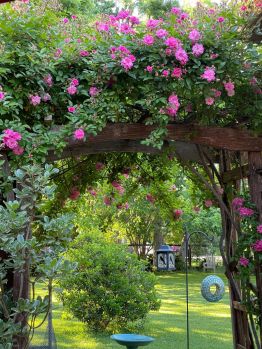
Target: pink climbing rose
<point>181,56</point>
<point>259,229</point>
<point>243,261</point>
<point>148,40</point>
<point>177,73</point>
<point>177,214</point>
<point>194,35</point>
<point>246,212</point>
<point>209,74</point>
<point>2,95</point>
<point>48,80</point>
<point>84,53</point>
<point>35,100</point>
<point>198,50</point>
<point>150,198</point>
<point>172,42</point>
<point>75,82</point>
<point>74,194</point>
<point>71,109</point>
<point>257,246</point>
<point>209,101</point>
<point>72,90</point>
<point>174,103</point>
<point>11,138</point>
<point>100,166</point>
<point>93,91</point>
<point>79,134</point>
<point>237,203</point>
<point>208,203</point>
<point>127,62</point>
<point>230,88</point>
<point>221,19</point>
<point>18,150</point>
<point>161,33</point>
<point>149,68</point>
<point>107,200</point>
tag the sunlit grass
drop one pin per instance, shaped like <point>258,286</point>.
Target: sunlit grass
<point>210,323</point>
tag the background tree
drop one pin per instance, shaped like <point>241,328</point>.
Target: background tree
<point>156,8</point>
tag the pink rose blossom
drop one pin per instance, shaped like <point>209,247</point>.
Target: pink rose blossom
<point>11,138</point>
<point>93,91</point>
<point>216,92</point>
<point>107,201</point>
<point>84,53</point>
<point>161,33</point>
<point>148,40</point>
<point>58,52</point>
<point>237,203</point>
<point>181,56</point>
<point>221,19</point>
<point>209,100</point>
<point>67,40</point>
<point>259,229</point>
<point>243,8</point>
<point>100,166</point>
<point>208,203</point>
<point>134,20</point>
<point>209,74</point>
<point>103,27</point>
<point>35,100</point>
<point>177,214</point>
<point>75,82</point>
<point>65,20</point>
<point>127,63</point>
<point>198,50</point>
<point>214,55</point>
<point>172,42</point>
<point>92,192</point>
<point>184,16</point>
<point>123,14</point>
<point>149,68</point>
<point>79,134</point>
<point>257,246</point>
<point>18,150</point>
<point>71,109</point>
<point>74,194</point>
<point>74,17</point>
<point>152,23</point>
<point>150,198</point>
<point>46,97</point>
<point>243,261</point>
<point>165,73</point>
<point>194,35</point>
<point>2,95</point>
<point>177,73</point>
<point>196,209</point>
<point>245,212</point>
<point>253,81</point>
<point>72,90</point>
<point>176,10</point>
<point>48,80</point>
<point>230,88</point>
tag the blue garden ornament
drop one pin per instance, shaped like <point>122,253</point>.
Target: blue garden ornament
<point>207,283</point>
<point>132,341</point>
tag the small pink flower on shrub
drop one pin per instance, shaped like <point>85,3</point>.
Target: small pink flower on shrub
<point>177,213</point>
<point>173,42</point>
<point>72,90</point>
<point>177,73</point>
<point>209,100</point>
<point>74,17</point>
<point>100,166</point>
<point>107,200</point>
<point>245,212</point>
<point>11,138</point>
<point>259,229</point>
<point>196,209</point>
<point>257,246</point>
<point>150,198</point>
<point>149,68</point>
<point>243,261</point>
<point>181,56</point>
<point>152,23</point>
<point>48,80</point>
<point>208,203</point>
<point>65,20</point>
<point>230,88</point>
<point>123,14</point>
<point>214,55</point>
<point>194,35</point>
<point>75,82</point>
<point>161,33</point>
<point>134,20</point>
<point>127,63</point>
<point>165,73</point>
<point>2,95</point>
<point>18,150</point>
<point>35,100</point>
<point>148,40</point>
<point>176,10</point>
<point>221,19</point>
<point>46,97</point>
<point>71,109</point>
<point>198,50</point>
<point>58,52</point>
<point>93,91</point>
<point>209,74</point>
<point>74,194</point>
<point>79,134</point>
<point>92,192</point>
<point>84,53</point>
<point>237,203</point>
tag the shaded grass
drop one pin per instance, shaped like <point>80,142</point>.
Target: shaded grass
<point>210,323</point>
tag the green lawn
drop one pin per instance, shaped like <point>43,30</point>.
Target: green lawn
<point>210,323</point>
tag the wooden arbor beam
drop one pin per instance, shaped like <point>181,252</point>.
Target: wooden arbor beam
<point>219,138</point>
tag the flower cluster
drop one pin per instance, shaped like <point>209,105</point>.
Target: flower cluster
<point>10,140</point>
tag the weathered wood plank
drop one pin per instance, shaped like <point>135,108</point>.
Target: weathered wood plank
<point>219,138</point>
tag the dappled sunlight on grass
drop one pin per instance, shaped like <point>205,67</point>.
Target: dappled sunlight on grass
<point>210,323</point>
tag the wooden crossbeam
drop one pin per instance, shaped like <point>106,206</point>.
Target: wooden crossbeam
<point>217,137</point>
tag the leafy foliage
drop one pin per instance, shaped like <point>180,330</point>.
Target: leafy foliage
<point>110,288</point>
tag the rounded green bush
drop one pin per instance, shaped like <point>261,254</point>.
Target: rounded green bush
<point>110,288</point>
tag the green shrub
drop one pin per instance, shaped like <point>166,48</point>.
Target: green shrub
<point>110,288</point>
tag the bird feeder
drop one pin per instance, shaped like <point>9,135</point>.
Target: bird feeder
<point>165,258</point>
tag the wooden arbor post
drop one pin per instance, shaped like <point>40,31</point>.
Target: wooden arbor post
<point>255,185</point>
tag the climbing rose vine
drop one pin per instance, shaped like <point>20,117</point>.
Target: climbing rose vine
<point>187,66</point>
